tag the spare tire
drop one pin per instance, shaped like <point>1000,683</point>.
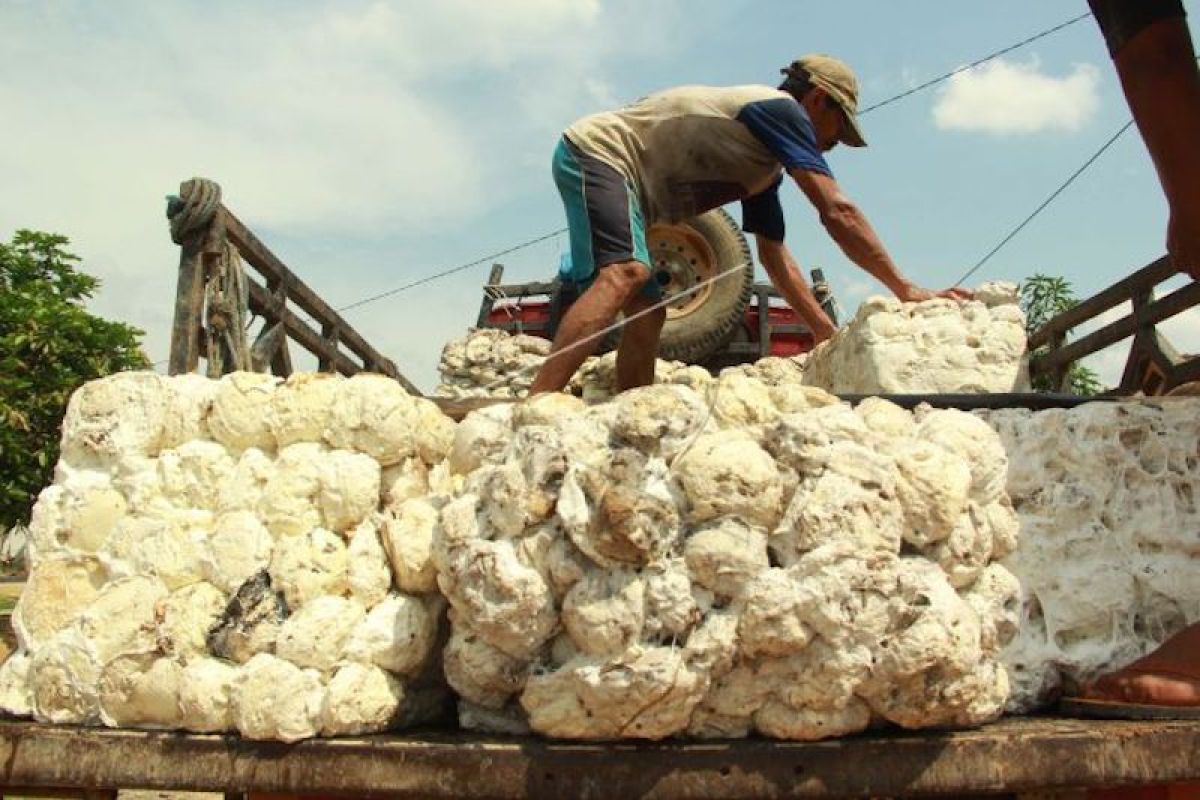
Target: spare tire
<point>687,254</point>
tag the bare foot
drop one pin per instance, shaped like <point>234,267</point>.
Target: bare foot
<point>1169,676</point>
<point>1144,689</point>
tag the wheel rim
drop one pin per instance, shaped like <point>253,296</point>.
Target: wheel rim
<point>681,259</point>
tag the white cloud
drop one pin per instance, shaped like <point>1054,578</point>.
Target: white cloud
<point>338,121</point>
<point>1008,98</point>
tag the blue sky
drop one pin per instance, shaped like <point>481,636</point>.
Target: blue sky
<point>373,143</point>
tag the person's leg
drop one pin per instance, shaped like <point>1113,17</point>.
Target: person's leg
<point>1156,62</point>
<point>608,242</point>
<point>578,333</point>
<point>638,349</point>
<point>1154,58</point>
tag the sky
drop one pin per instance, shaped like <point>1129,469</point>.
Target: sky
<point>373,143</point>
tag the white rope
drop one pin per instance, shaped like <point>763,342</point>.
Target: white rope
<point>497,293</point>
<point>226,301</point>
<point>194,208</point>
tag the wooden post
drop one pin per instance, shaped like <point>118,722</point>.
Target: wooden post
<point>331,334</point>
<point>195,254</point>
<point>1060,375</point>
<point>281,361</point>
<point>485,307</point>
<point>763,297</point>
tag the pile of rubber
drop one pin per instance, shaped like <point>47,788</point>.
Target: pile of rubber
<point>496,364</point>
<point>241,555</point>
<point>1109,501</point>
<point>935,346</point>
<point>490,363</point>
<point>263,557</point>
<point>756,558</point>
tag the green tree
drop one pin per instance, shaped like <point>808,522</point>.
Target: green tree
<point>1044,297</point>
<point>49,346</point>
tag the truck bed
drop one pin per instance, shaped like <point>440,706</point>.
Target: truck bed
<point>1010,756</point>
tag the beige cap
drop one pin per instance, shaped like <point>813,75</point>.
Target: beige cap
<point>838,81</point>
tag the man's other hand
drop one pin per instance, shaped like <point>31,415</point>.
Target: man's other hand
<point>1183,244</point>
<point>915,294</point>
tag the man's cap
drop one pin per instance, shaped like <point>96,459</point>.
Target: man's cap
<point>838,81</point>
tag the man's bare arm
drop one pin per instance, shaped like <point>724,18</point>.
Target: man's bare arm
<point>786,276</point>
<point>848,226</point>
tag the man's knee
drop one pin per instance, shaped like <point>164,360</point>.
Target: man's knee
<point>654,316</point>
<point>626,276</point>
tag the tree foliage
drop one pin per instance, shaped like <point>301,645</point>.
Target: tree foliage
<point>1044,297</point>
<point>49,346</point>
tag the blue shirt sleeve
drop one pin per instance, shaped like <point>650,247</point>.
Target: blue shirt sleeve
<point>783,126</point>
<point>762,214</point>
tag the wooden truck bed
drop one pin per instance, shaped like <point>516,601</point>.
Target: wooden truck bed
<point>1010,756</point>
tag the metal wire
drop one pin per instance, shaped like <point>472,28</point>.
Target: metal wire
<point>1012,234</point>
<point>869,109</point>
<point>453,270</point>
<point>973,64</point>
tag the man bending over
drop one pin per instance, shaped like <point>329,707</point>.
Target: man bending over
<point>680,152</point>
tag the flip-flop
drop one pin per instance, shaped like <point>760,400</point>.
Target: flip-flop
<point>1178,657</point>
<point>1116,709</point>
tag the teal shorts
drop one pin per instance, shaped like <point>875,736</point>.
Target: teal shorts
<point>603,215</point>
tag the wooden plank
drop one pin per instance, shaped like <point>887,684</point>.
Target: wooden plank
<point>24,792</point>
<point>1121,291</point>
<point>267,305</point>
<point>261,258</point>
<point>1150,314</point>
<point>527,289</point>
<point>1009,756</point>
<point>1186,372</point>
<point>518,326</point>
<point>262,302</point>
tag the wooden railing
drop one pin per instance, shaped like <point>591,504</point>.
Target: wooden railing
<point>1153,366</point>
<point>208,234</point>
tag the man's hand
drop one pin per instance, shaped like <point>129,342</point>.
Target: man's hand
<point>915,294</point>
<point>1183,245</point>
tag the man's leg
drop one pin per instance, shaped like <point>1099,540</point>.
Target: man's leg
<point>1156,62</point>
<point>594,311</point>
<point>1152,51</point>
<point>639,342</point>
